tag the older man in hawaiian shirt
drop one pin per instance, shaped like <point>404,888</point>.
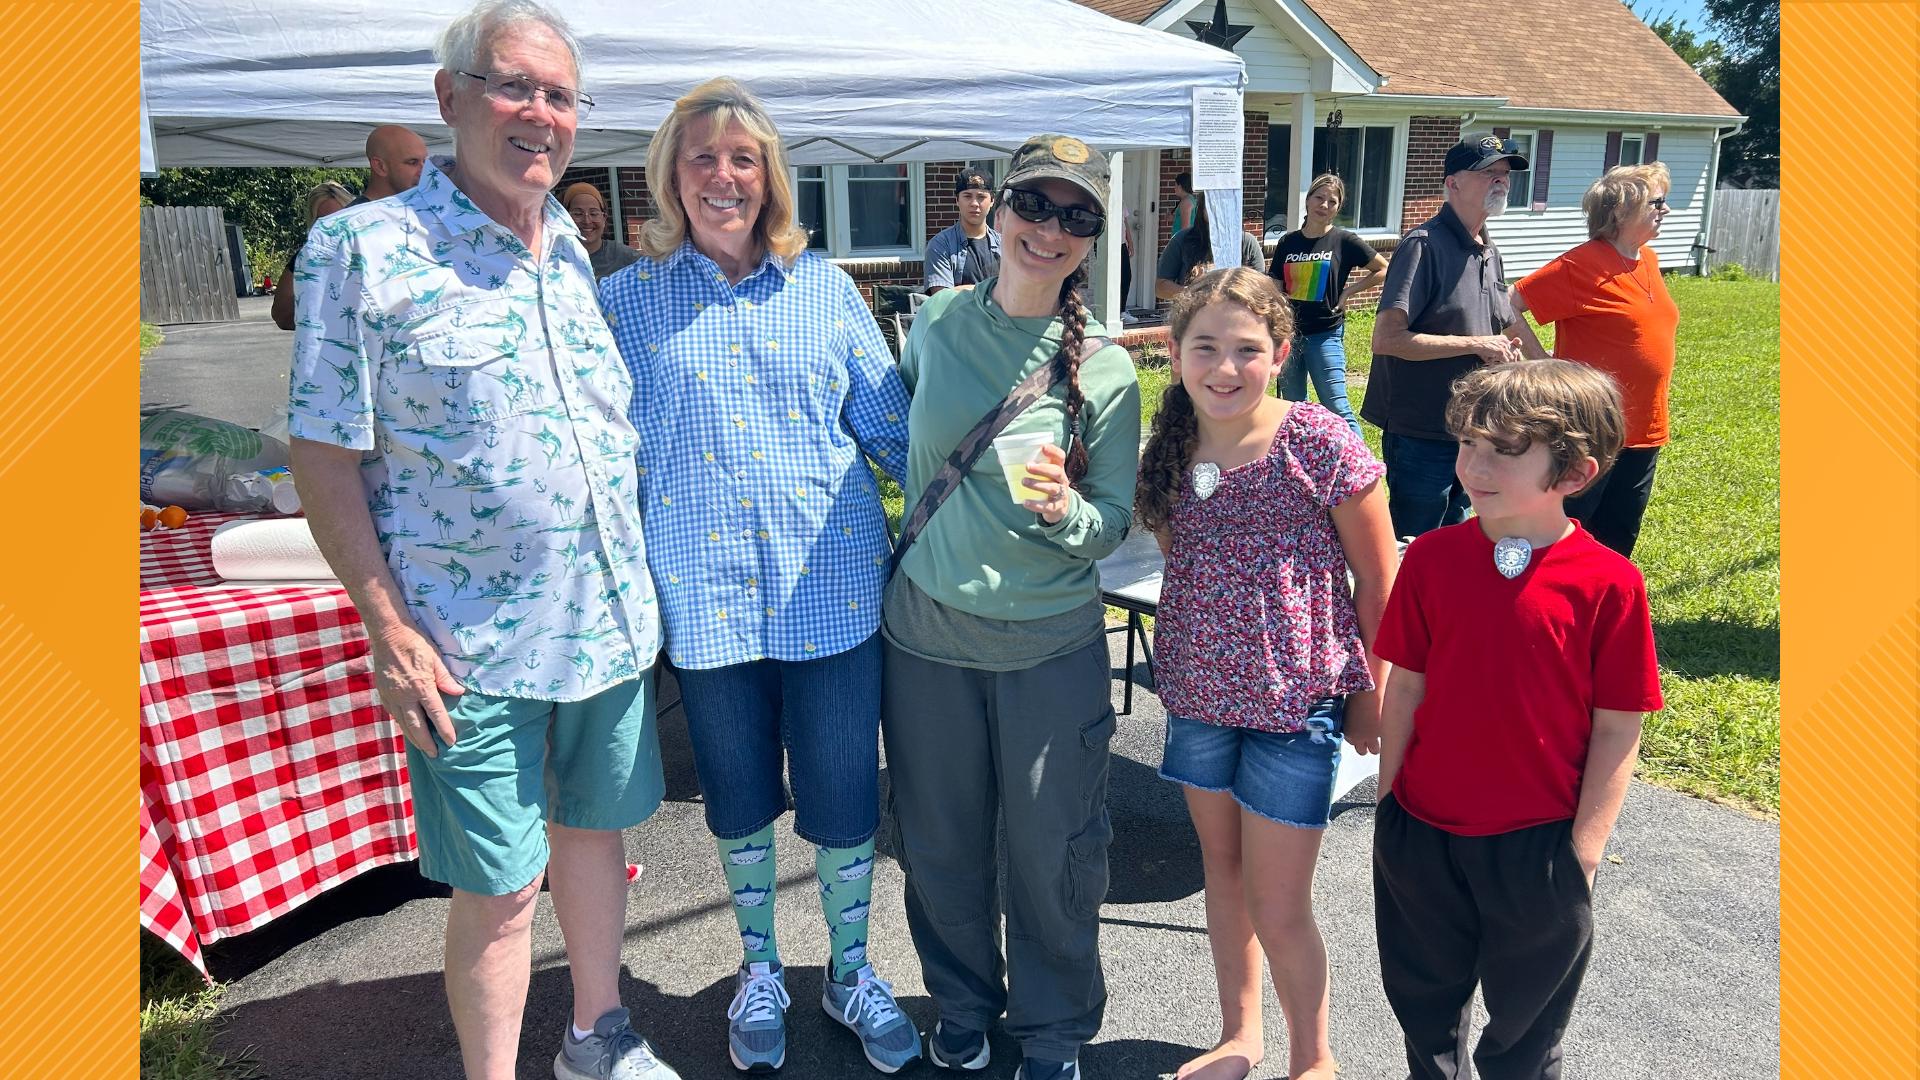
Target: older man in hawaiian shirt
<point>491,540</point>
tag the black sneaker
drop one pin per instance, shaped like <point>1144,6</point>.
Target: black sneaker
<point>957,1047</point>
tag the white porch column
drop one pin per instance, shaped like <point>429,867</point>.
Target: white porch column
<point>1302,159</point>
<point>1104,292</point>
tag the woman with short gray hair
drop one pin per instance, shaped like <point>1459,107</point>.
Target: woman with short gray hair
<point>1610,309</point>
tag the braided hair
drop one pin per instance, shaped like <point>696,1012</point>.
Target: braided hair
<point>1066,361</point>
<point>1176,427</point>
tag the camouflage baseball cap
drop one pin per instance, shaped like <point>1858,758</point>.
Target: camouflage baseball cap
<point>1061,157</point>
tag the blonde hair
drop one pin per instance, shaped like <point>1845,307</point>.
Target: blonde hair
<point>1329,180</point>
<point>1572,409</point>
<point>326,190</point>
<point>1176,429</point>
<point>1622,190</point>
<point>723,102</point>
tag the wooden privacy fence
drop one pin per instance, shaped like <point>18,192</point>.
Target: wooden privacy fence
<point>1746,230</point>
<point>186,274</point>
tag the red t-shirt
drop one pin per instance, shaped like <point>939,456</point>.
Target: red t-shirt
<point>1614,315</point>
<point>1514,670</point>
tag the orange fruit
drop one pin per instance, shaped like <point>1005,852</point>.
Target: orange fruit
<point>173,517</point>
<point>149,517</point>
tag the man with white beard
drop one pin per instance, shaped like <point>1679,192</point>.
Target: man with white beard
<point>1443,310</point>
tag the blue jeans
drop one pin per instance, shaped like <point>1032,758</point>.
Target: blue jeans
<point>1283,776</point>
<point>1324,357</point>
<point>1423,494</point>
<point>820,719</point>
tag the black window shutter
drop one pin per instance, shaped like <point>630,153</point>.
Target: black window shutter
<point>1613,151</point>
<point>1542,165</point>
<point>1502,133</point>
<point>1651,152</point>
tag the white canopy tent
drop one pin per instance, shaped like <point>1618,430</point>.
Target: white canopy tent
<point>301,82</point>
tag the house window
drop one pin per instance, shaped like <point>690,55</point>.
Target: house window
<point>1363,157</point>
<point>1632,149</point>
<point>1520,189</point>
<point>859,211</point>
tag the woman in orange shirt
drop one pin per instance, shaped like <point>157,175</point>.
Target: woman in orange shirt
<point>1611,310</point>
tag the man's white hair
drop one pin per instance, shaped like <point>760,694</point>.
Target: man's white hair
<point>464,44</point>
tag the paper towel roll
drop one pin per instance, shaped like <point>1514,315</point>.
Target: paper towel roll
<point>273,549</point>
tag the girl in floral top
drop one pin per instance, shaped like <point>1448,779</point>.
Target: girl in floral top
<point>1265,657</point>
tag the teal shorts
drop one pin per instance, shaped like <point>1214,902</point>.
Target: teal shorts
<point>481,808</point>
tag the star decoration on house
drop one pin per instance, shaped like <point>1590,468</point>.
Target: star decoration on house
<point>1219,31</point>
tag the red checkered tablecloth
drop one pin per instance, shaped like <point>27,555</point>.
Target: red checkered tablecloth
<point>268,774</point>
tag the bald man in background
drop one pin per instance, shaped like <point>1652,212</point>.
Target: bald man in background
<point>394,157</point>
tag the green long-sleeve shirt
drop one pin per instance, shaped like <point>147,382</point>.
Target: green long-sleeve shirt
<point>983,553</point>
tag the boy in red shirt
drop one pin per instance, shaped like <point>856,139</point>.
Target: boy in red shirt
<point>1523,658</point>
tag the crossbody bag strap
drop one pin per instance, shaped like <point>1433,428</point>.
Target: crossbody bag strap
<point>975,443</point>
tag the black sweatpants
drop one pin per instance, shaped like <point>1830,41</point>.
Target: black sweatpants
<point>1511,912</point>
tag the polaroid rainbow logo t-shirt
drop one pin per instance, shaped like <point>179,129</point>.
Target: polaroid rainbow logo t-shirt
<point>1304,276</point>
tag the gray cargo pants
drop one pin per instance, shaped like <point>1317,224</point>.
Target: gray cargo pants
<point>961,745</point>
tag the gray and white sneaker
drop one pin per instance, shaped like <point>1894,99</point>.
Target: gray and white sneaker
<point>951,1046</point>
<point>757,1018</point>
<point>1036,1069</point>
<point>864,1005</point>
<point>613,1052</point>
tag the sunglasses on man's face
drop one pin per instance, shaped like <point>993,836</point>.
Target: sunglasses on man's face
<point>1659,203</point>
<point>1074,220</point>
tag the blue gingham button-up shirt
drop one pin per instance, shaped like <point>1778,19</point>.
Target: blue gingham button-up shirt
<point>503,489</point>
<point>755,403</point>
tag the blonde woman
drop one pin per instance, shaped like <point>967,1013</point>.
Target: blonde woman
<point>322,200</point>
<point>1312,264</point>
<point>1610,310</point>
<point>762,388</point>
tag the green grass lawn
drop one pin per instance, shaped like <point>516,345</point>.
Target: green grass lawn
<point>149,337</point>
<point>179,1019</point>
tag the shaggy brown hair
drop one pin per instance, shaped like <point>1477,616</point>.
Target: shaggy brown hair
<point>1572,409</point>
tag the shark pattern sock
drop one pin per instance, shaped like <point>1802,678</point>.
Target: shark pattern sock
<point>846,890</point>
<point>749,865</point>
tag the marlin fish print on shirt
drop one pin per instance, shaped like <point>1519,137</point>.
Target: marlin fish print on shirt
<point>501,483</point>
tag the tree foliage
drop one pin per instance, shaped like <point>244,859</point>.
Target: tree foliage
<point>269,205</point>
<point>1742,63</point>
<point>1749,78</point>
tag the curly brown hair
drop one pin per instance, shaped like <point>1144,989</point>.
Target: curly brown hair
<point>1176,429</point>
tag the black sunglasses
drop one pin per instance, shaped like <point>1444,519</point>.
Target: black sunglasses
<point>1035,207</point>
<point>1659,203</point>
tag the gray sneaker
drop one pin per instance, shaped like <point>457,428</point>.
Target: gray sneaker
<point>757,1018</point>
<point>864,1004</point>
<point>613,1052</point>
<point>951,1046</point>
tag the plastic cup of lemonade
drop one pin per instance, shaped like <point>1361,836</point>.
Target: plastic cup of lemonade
<point>1017,454</point>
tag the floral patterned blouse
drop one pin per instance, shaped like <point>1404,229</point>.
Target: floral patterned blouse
<point>1256,619</point>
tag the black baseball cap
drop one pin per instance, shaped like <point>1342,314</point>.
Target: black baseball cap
<point>972,180</point>
<point>1061,157</point>
<point>1472,155</point>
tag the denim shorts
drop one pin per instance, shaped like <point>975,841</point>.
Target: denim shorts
<point>480,808</point>
<point>758,727</point>
<point>1282,776</point>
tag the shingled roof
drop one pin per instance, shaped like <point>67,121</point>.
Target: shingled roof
<point>1538,54</point>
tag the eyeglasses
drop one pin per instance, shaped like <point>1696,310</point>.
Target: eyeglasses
<point>1032,206</point>
<point>519,90</point>
<point>592,213</point>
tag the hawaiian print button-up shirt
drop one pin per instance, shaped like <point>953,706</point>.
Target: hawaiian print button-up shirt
<point>502,487</point>
<point>755,402</point>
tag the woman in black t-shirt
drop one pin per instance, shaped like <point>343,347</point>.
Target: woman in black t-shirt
<point>1311,264</point>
